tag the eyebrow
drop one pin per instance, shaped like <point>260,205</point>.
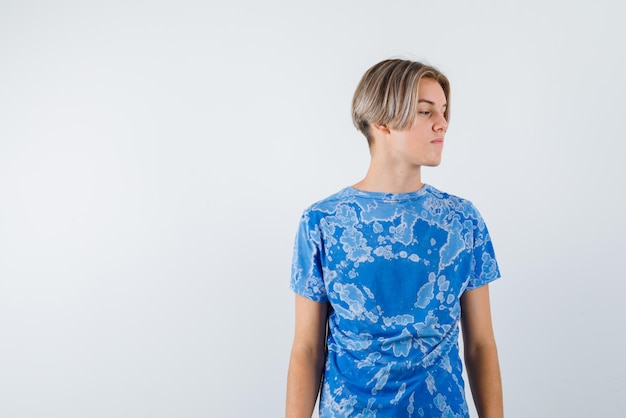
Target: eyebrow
<point>430,102</point>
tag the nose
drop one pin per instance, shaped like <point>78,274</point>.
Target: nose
<point>441,124</point>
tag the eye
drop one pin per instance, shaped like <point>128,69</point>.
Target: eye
<point>424,112</point>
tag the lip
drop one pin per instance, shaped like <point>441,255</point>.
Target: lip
<point>437,141</point>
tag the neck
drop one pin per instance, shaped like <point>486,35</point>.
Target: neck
<point>391,179</point>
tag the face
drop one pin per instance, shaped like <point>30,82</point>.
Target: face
<point>422,143</point>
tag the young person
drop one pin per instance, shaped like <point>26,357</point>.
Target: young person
<point>386,270</point>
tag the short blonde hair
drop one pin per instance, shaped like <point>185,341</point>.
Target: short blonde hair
<point>387,94</point>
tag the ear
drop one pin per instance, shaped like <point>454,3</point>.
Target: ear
<point>380,129</point>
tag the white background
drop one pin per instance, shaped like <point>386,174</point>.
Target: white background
<point>155,157</point>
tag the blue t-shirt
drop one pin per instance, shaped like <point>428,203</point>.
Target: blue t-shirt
<point>392,268</point>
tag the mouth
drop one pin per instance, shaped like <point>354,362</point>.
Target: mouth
<point>437,141</point>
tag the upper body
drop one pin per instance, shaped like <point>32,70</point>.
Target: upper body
<point>392,267</point>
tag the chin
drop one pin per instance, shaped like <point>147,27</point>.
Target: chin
<point>432,163</point>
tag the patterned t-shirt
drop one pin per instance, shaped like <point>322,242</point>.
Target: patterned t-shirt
<point>392,268</point>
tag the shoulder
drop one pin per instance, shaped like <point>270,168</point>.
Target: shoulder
<point>462,206</point>
<point>329,204</point>
<point>453,208</point>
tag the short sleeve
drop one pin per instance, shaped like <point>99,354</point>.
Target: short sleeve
<point>484,265</point>
<point>307,277</point>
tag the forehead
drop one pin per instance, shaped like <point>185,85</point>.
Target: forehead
<point>429,90</point>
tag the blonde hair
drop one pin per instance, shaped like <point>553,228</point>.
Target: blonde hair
<point>387,94</point>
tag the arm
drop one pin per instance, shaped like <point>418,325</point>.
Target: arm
<point>481,355</point>
<point>307,358</point>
